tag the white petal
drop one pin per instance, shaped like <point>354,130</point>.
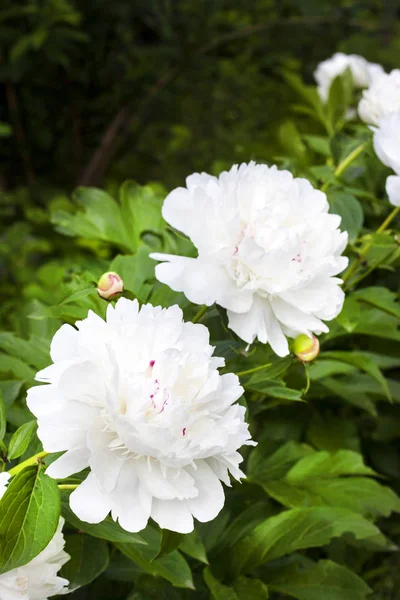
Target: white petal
<point>173,515</point>
<point>69,463</point>
<point>259,322</point>
<point>202,282</point>
<point>104,462</point>
<point>89,502</point>
<point>393,189</point>
<point>64,345</point>
<point>211,498</point>
<point>131,503</point>
<point>295,319</point>
<point>176,210</point>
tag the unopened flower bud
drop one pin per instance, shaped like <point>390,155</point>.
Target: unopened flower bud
<point>109,285</point>
<point>306,348</point>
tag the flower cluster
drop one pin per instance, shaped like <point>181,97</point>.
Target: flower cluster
<point>37,580</point>
<point>363,72</point>
<point>138,398</point>
<point>380,107</point>
<point>268,252</point>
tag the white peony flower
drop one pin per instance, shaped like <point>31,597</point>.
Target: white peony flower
<point>381,98</point>
<point>140,401</point>
<point>393,189</point>
<point>387,140</point>
<point>37,580</point>
<point>268,251</point>
<point>362,71</point>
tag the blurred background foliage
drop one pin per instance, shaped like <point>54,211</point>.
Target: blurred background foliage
<point>154,90</point>
<point>94,93</point>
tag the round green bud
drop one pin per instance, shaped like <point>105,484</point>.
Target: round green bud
<point>306,348</point>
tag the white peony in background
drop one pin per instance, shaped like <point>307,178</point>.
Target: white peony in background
<point>381,98</point>
<point>387,149</point>
<point>37,580</point>
<point>363,72</point>
<point>140,401</point>
<point>268,252</point>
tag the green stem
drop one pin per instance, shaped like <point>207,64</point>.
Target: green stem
<point>307,379</point>
<point>346,162</point>
<point>388,219</point>
<point>68,486</point>
<point>360,257</point>
<point>202,311</point>
<point>33,460</point>
<point>254,370</point>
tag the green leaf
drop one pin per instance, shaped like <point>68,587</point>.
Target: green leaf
<point>17,367</point>
<point>89,558</point>
<point>194,547</point>
<point>319,144</point>
<point>362,361</point>
<point>350,314</point>
<point>170,541</point>
<point>217,589</point>
<point>162,295</point>
<point>20,440</point>
<point>78,294</point>
<point>324,579</point>
<point>340,96</point>
<point>10,389</point>
<point>3,418</point>
<point>325,464</point>
<point>379,297</point>
<point>99,219</point>
<point>35,351</point>
<point>359,494</point>
<point>106,530</point>
<point>274,389</point>
<point>349,208</point>
<point>135,272</point>
<point>277,368</point>
<point>275,466</point>
<point>291,141</point>
<point>172,567</point>
<point>253,589</point>
<point>343,388</point>
<point>29,515</point>
<point>295,530</point>
<point>141,211</point>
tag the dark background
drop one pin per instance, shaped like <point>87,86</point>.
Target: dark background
<point>98,91</point>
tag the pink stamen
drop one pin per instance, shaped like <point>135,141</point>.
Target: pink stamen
<point>297,258</point>
<point>184,431</point>
<point>236,250</point>
<point>152,363</point>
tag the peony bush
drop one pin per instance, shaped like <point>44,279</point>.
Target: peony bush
<point>199,396</point>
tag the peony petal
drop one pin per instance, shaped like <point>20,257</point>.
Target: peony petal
<point>89,502</point>
<point>202,282</point>
<point>259,322</point>
<point>295,319</point>
<point>69,463</point>
<point>64,345</point>
<point>173,515</point>
<point>211,498</point>
<point>393,189</point>
<point>131,504</point>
